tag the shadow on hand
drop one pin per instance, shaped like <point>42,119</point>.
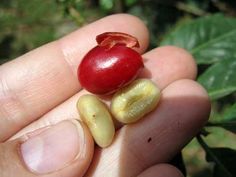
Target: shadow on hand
<point>157,138</point>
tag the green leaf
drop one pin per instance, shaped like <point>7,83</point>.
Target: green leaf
<point>224,159</point>
<point>230,125</point>
<point>219,80</point>
<point>130,2</point>
<point>230,113</point>
<point>106,4</point>
<point>210,39</point>
<point>228,119</point>
<point>227,157</point>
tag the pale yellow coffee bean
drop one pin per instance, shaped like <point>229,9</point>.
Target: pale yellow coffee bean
<point>134,101</point>
<point>98,119</point>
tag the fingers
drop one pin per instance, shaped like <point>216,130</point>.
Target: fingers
<point>168,64</point>
<point>38,81</point>
<point>157,63</point>
<point>64,149</point>
<point>161,170</point>
<point>183,110</point>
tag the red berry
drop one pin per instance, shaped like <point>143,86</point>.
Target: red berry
<point>110,65</point>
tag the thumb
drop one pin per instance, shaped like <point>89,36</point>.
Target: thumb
<point>64,149</point>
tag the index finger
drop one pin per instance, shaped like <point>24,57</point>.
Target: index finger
<point>36,82</point>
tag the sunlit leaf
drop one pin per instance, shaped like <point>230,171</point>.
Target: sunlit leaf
<point>209,39</point>
<point>230,113</point>
<point>219,79</point>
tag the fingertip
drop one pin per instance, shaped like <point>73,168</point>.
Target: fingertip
<point>199,98</point>
<point>169,63</point>
<point>183,58</point>
<point>161,170</point>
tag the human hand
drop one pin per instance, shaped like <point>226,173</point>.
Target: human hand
<point>40,89</point>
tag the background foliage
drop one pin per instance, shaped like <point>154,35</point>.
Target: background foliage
<point>206,28</point>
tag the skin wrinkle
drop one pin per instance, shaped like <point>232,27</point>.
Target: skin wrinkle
<point>11,101</point>
<point>142,161</point>
<point>11,106</point>
<point>51,76</point>
<point>67,53</point>
<point>3,160</point>
<point>156,134</point>
<point>71,52</point>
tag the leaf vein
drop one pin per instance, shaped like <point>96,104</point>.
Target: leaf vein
<point>195,50</point>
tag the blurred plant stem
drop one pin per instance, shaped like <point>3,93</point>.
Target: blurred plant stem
<point>119,6</point>
<point>76,16</point>
<point>190,9</point>
<point>225,8</point>
<point>212,156</point>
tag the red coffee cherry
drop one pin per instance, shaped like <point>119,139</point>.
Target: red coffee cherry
<point>112,64</point>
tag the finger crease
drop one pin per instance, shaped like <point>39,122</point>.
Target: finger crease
<point>68,56</point>
<point>11,108</point>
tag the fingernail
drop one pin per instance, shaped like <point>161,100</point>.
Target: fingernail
<point>54,148</point>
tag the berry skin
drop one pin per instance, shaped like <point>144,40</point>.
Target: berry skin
<point>110,65</point>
